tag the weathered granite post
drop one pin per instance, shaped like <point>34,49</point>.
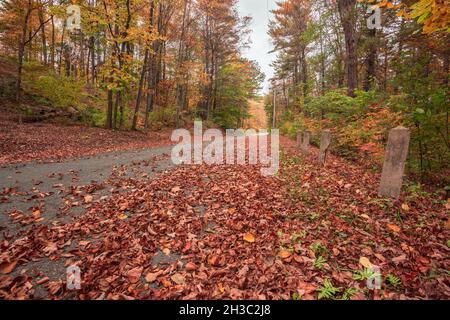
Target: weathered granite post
<point>394,162</point>
<point>305,142</point>
<point>325,141</point>
<point>299,139</point>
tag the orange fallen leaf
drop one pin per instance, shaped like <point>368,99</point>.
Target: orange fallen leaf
<point>7,267</point>
<point>405,207</point>
<point>284,254</point>
<point>394,227</point>
<point>37,213</point>
<point>365,262</point>
<point>249,238</point>
<point>190,266</point>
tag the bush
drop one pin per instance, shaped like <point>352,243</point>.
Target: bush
<point>48,88</point>
<point>163,117</point>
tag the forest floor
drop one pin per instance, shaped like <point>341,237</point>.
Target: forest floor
<point>140,228</point>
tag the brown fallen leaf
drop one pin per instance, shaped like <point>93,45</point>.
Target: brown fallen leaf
<point>7,267</point>
<point>135,274</point>
<point>88,198</point>
<point>152,276</point>
<point>178,278</point>
<point>405,207</point>
<point>399,259</point>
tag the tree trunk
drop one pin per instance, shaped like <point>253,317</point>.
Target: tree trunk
<point>347,14</point>
<point>371,60</point>
<point>21,52</point>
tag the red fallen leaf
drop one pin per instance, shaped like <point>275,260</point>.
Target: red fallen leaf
<point>7,267</point>
<point>54,287</point>
<point>134,274</point>
<point>213,261</point>
<point>186,247</point>
<point>190,266</point>
<point>42,280</point>
<point>50,248</point>
<point>298,259</point>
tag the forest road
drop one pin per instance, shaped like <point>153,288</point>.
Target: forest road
<point>48,186</point>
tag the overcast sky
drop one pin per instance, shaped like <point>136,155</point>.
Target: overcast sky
<point>259,11</point>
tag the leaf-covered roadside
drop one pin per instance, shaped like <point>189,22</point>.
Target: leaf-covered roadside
<point>219,232</point>
<point>50,142</point>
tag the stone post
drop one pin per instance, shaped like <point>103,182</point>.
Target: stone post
<point>325,141</point>
<point>394,162</point>
<point>299,139</point>
<point>305,142</point>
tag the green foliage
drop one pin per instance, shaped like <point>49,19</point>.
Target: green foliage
<point>319,262</point>
<point>393,280</point>
<point>328,291</point>
<point>50,89</point>
<point>162,117</point>
<point>362,275</point>
<point>236,83</point>
<point>349,293</point>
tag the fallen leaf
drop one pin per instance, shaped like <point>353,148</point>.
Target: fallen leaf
<point>152,276</point>
<point>394,227</point>
<point>7,267</point>
<point>284,254</point>
<point>190,266</point>
<point>178,278</point>
<point>365,262</point>
<point>249,237</point>
<point>88,198</point>
<point>405,207</point>
<point>36,213</point>
<point>399,259</point>
<point>135,274</point>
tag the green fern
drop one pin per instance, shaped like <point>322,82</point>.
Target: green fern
<point>349,293</point>
<point>296,296</point>
<point>319,262</point>
<point>362,275</point>
<point>393,280</point>
<point>328,291</point>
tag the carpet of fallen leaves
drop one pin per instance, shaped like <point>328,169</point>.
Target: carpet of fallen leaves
<point>226,232</point>
<point>51,142</point>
